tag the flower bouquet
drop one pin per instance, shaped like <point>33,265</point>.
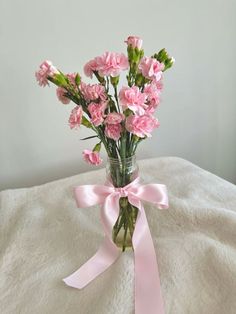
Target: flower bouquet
<point>121,120</point>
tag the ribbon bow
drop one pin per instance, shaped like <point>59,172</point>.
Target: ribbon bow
<point>148,299</point>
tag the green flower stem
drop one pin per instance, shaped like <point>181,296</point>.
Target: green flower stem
<point>126,220</point>
<point>125,235</point>
<point>134,214</point>
<point>116,98</point>
<point>101,135</point>
<point>128,216</point>
<point>117,227</point>
<point>107,85</point>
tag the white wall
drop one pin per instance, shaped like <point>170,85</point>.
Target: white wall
<point>198,111</point>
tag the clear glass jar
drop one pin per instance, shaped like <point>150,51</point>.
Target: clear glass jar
<point>122,172</point>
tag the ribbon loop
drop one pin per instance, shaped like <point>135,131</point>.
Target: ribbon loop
<point>148,299</point>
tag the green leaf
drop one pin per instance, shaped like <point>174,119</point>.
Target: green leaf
<point>88,138</point>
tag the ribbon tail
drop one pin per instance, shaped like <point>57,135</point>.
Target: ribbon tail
<point>148,298</point>
<point>106,255</point>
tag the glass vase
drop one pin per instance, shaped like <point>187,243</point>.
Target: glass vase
<point>122,172</point>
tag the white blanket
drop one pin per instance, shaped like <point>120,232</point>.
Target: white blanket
<point>44,238</point>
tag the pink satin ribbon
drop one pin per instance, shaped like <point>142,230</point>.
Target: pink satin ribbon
<point>148,299</point>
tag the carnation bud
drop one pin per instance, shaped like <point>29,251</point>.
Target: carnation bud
<point>163,57</point>
<point>139,80</point>
<point>130,51</point>
<point>134,41</point>
<point>77,79</point>
<point>128,112</point>
<point>86,122</point>
<point>134,54</point>
<point>115,80</point>
<point>135,138</point>
<point>169,63</point>
<point>141,53</point>
<point>59,79</point>
<point>97,147</point>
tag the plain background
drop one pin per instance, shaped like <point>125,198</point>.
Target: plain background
<point>198,108</point>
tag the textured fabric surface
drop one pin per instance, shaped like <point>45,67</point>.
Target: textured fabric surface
<point>44,238</point>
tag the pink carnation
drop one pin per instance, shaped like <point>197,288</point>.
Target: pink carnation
<point>91,157</point>
<point>97,112</point>
<point>134,41</point>
<point>71,77</point>
<point>61,95</point>
<point>76,117</point>
<point>111,64</point>
<point>114,118</point>
<point>141,125</point>
<point>90,67</point>
<point>132,98</point>
<point>159,84</point>
<point>93,92</point>
<point>151,68</point>
<point>46,69</point>
<point>153,97</point>
<point>113,131</point>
